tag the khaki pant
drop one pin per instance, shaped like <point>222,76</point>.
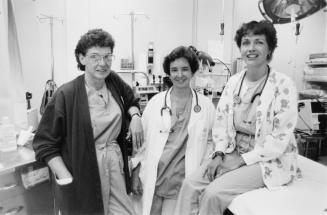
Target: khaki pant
<point>200,196</point>
<point>115,198</point>
<point>162,206</point>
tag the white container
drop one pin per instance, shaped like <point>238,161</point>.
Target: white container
<point>8,136</point>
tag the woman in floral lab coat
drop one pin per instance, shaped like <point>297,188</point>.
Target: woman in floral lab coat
<point>253,131</point>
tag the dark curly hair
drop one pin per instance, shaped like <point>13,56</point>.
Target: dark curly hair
<point>93,38</point>
<point>181,52</point>
<point>263,27</point>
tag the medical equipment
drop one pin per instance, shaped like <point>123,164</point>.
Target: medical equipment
<point>281,12</point>
<point>150,58</point>
<point>50,86</point>
<point>312,115</point>
<point>197,107</point>
<point>132,16</point>
<point>237,98</point>
<point>167,129</point>
<point>145,93</point>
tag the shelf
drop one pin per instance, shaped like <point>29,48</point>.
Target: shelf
<point>317,63</point>
<point>315,78</point>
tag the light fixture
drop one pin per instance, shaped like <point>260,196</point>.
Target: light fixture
<point>286,11</point>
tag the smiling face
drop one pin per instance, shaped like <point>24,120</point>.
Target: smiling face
<point>254,50</point>
<point>97,62</point>
<point>180,73</point>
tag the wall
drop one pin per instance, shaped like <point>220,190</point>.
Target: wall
<point>210,15</point>
<point>34,41</point>
<point>170,24</point>
<point>289,57</point>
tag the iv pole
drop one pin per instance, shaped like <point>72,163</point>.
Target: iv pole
<point>132,19</point>
<point>51,19</point>
<point>50,86</point>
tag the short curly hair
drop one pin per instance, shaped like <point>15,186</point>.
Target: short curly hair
<point>181,52</point>
<point>262,27</point>
<point>93,38</point>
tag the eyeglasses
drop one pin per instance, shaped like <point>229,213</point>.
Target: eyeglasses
<point>96,58</point>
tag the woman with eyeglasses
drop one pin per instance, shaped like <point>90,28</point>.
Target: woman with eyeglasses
<point>253,132</point>
<point>176,124</point>
<point>82,134</point>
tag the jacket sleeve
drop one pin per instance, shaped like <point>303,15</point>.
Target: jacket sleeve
<point>220,128</point>
<point>51,130</point>
<point>284,121</point>
<point>125,91</point>
<point>146,117</point>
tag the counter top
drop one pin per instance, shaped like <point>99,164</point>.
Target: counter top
<point>20,157</point>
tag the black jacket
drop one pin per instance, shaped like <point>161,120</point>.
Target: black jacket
<point>65,129</point>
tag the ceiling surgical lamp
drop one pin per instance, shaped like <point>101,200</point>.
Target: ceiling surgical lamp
<point>286,11</point>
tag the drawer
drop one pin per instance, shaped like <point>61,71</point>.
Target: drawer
<point>13,206</point>
<point>37,200</point>
<point>10,185</point>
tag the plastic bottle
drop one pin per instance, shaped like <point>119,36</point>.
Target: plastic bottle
<point>8,136</point>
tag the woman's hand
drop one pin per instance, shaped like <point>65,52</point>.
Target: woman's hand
<point>136,181</point>
<point>136,132</point>
<point>230,163</point>
<point>213,167</point>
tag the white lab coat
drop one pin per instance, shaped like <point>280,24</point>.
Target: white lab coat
<point>155,131</point>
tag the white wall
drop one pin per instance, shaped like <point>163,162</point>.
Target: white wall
<point>170,24</point>
<point>34,41</point>
<point>289,57</point>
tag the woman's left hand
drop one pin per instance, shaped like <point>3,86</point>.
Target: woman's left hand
<point>230,163</point>
<point>136,132</point>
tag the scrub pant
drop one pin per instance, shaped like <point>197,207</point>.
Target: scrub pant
<point>200,196</point>
<point>115,198</point>
<point>162,206</point>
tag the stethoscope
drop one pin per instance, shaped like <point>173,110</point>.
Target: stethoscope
<point>197,107</point>
<point>165,107</point>
<point>237,98</point>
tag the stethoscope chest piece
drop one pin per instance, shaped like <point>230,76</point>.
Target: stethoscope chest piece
<point>197,108</point>
<point>237,99</point>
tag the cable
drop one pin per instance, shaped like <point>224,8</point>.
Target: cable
<point>306,124</point>
<point>229,72</point>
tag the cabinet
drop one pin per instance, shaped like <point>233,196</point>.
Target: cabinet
<point>18,194</point>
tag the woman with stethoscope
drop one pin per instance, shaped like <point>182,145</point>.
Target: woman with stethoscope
<point>253,132</point>
<point>177,124</point>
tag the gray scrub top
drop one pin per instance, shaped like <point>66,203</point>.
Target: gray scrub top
<point>104,109</point>
<point>245,115</point>
<point>171,167</point>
